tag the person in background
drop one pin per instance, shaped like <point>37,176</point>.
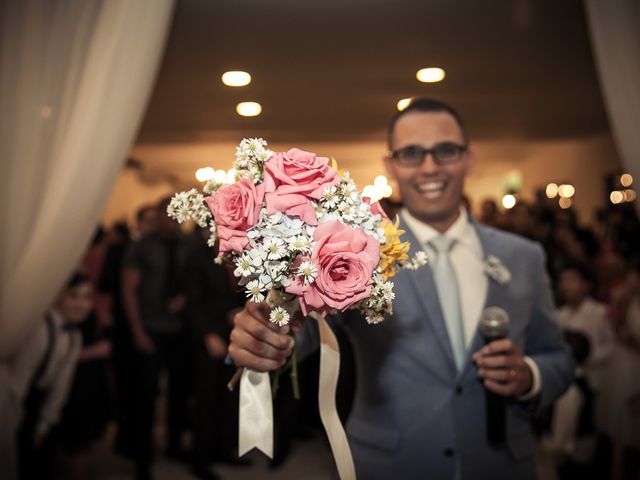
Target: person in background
<point>623,386</point>
<point>579,415</point>
<point>123,357</point>
<point>581,313</point>
<point>572,438</point>
<point>489,212</point>
<point>153,292</point>
<point>522,221</point>
<point>213,298</point>
<point>42,375</point>
<point>146,221</point>
<point>91,266</point>
<point>89,406</point>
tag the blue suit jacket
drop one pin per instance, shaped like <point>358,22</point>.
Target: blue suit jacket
<point>415,416</point>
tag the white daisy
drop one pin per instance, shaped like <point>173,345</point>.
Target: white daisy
<point>308,271</point>
<point>300,243</point>
<point>279,316</point>
<point>275,248</point>
<point>330,197</point>
<point>255,291</point>
<point>244,266</point>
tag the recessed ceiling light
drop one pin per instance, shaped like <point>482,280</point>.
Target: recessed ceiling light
<point>236,79</point>
<point>402,104</point>
<point>430,75</point>
<point>249,109</point>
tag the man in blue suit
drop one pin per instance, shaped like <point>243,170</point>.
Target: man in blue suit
<point>422,375</point>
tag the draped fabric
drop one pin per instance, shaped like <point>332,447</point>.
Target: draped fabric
<point>75,77</point>
<point>615,37</point>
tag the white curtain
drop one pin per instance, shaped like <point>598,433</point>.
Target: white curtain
<point>75,77</point>
<point>615,36</point>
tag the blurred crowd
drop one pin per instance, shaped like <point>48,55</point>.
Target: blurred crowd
<point>593,431</point>
<point>148,313</point>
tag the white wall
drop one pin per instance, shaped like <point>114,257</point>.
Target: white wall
<point>582,162</point>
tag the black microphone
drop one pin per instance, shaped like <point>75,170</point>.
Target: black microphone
<point>494,325</point>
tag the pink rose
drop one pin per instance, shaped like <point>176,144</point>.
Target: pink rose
<point>293,179</point>
<point>376,208</point>
<point>345,258</point>
<point>235,209</point>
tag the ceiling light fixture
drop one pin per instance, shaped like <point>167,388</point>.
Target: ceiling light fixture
<point>430,75</point>
<point>404,103</point>
<point>236,79</point>
<point>249,109</point>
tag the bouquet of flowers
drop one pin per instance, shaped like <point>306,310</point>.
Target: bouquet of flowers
<point>299,234</point>
<point>294,224</point>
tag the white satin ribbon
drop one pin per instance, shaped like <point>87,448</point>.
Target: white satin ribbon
<point>256,413</point>
<point>329,370</point>
<point>256,406</point>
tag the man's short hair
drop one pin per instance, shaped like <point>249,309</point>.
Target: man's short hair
<point>426,105</point>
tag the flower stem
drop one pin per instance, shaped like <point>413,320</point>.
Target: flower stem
<point>294,375</point>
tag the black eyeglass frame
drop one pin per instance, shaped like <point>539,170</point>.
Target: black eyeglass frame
<point>435,152</point>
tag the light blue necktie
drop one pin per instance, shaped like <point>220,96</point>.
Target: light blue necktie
<point>447,287</point>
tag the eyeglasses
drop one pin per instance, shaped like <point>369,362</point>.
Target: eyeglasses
<point>444,153</point>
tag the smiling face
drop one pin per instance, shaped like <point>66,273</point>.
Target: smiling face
<point>432,193</point>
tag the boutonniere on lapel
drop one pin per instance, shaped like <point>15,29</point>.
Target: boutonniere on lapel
<point>496,270</point>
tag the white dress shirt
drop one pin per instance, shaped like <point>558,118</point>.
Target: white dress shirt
<point>58,374</point>
<point>467,259</point>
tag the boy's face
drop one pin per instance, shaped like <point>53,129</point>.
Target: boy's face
<point>76,303</point>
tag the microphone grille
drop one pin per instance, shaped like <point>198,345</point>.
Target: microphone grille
<point>494,322</point>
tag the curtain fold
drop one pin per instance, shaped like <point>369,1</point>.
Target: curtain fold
<point>615,38</point>
<point>75,78</point>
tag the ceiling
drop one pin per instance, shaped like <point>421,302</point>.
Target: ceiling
<point>333,70</point>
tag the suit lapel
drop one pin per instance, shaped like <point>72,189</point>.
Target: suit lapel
<point>423,282</point>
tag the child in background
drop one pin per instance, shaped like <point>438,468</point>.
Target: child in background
<point>581,313</point>
<point>42,374</point>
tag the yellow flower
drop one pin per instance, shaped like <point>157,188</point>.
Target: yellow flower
<point>393,250</point>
